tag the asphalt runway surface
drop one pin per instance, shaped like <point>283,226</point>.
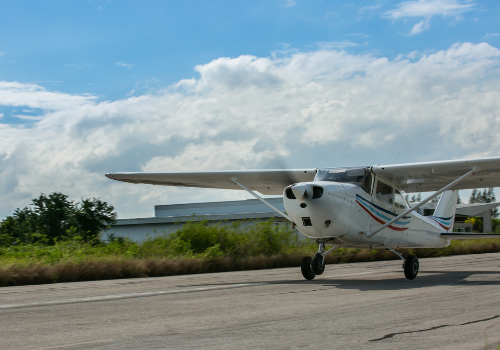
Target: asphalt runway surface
<point>454,303</point>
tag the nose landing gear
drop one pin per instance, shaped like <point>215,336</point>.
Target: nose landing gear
<point>315,266</point>
<point>306,268</point>
<point>318,263</point>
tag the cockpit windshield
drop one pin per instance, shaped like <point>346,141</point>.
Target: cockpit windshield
<point>357,176</point>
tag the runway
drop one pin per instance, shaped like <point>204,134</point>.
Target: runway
<point>454,303</point>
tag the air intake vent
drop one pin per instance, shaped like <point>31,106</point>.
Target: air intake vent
<point>306,222</point>
<point>289,193</point>
<point>317,192</point>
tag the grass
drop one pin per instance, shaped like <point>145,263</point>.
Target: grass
<point>196,248</point>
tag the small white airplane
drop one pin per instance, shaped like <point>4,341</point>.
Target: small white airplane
<point>355,207</point>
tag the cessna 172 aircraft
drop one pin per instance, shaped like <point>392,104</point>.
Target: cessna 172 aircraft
<point>358,207</point>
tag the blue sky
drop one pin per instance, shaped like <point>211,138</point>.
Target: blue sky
<point>117,48</point>
<point>75,73</point>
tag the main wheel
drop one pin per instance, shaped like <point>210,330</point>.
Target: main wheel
<point>411,267</point>
<point>305,267</point>
<point>318,264</point>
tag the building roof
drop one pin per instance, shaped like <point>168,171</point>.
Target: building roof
<point>184,219</point>
<point>218,208</point>
<point>474,209</point>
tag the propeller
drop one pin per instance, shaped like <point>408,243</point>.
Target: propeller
<point>277,162</point>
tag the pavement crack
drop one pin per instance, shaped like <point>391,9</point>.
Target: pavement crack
<point>390,335</point>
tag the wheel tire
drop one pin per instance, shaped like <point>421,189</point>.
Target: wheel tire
<point>411,267</point>
<point>318,264</point>
<point>305,267</point>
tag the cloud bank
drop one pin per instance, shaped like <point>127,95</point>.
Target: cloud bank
<point>311,108</point>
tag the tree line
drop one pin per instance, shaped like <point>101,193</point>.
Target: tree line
<point>53,217</point>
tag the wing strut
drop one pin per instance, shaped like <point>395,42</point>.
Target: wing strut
<point>435,194</point>
<point>261,199</point>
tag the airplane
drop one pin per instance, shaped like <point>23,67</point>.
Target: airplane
<point>354,207</point>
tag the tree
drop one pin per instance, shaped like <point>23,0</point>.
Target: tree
<point>477,223</point>
<point>487,196</point>
<point>52,217</point>
<point>14,228</point>
<point>416,198</point>
<point>473,196</point>
<point>92,216</point>
<point>436,199</point>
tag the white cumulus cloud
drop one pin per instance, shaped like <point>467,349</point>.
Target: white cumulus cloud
<point>125,65</point>
<point>313,108</point>
<point>428,9</point>
<point>35,96</point>
<point>420,27</point>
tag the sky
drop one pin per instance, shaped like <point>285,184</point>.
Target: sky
<point>90,87</point>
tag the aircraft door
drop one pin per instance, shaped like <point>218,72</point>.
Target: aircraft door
<point>388,204</point>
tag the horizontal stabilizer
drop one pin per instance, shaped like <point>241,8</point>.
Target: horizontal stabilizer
<point>458,235</point>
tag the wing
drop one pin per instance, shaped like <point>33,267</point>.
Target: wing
<point>432,176</point>
<point>263,181</point>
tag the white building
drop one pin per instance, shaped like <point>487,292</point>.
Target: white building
<point>170,218</point>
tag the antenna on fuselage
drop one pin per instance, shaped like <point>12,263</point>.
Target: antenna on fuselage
<point>396,159</point>
<point>347,161</point>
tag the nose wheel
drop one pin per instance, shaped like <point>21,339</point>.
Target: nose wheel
<point>318,264</point>
<point>315,266</point>
<point>306,268</point>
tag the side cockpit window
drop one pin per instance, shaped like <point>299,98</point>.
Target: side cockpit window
<point>399,201</point>
<point>384,192</point>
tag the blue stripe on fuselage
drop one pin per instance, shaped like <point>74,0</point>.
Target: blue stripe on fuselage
<point>446,222</point>
<point>369,204</point>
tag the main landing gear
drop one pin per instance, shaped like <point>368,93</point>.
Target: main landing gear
<point>315,266</point>
<point>410,265</point>
<point>311,267</point>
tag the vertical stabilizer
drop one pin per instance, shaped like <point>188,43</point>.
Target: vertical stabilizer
<point>445,210</point>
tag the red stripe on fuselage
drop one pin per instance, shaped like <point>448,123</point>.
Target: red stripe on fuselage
<point>440,224</point>
<point>380,221</point>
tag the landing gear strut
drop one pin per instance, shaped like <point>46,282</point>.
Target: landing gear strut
<point>410,264</point>
<point>311,267</point>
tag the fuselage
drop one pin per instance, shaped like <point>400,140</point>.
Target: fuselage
<point>342,213</point>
